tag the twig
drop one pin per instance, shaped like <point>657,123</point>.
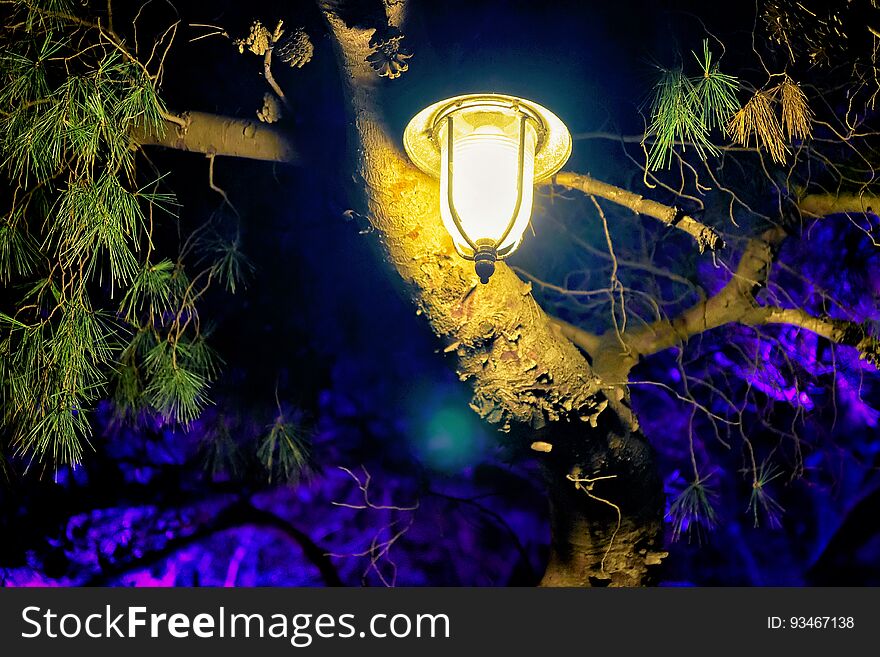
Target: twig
<point>378,549</point>
<point>586,484</point>
<point>364,487</point>
<point>217,189</point>
<point>267,71</point>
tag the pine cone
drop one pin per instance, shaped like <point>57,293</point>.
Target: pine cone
<point>295,48</point>
<point>389,58</point>
<point>383,35</point>
<point>257,41</point>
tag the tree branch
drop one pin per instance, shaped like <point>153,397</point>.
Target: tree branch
<point>238,514</point>
<point>267,71</point>
<point>705,236</point>
<point>213,134</point>
<point>587,341</point>
<point>839,331</point>
<point>734,301</point>
<point>822,205</point>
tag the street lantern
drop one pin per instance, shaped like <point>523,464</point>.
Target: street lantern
<point>488,150</point>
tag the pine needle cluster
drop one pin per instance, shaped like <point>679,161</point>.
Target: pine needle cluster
<point>692,511</point>
<point>760,500</point>
<point>90,308</point>
<point>285,450</point>
<point>797,117</point>
<point>685,110</point>
<point>758,119</point>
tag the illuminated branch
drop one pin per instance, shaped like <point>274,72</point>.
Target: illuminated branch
<point>839,331</point>
<point>614,361</point>
<point>267,72</point>
<point>821,205</point>
<point>212,134</point>
<point>364,488</point>
<point>587,341</point>
<point>734,303</point>
<point>705,236</point>
<point>380,561</point>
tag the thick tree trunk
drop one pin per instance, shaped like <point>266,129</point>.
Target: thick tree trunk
<point>522,369</point>
<point>605,531</point>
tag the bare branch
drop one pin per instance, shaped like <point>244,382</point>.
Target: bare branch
<point>380,547</point>
<point>839,331</point>
<point>364,487</point>
<point>734,303</point>
<point>705,236</point>
<point>217,188</point>
<point>212,134</point>
<point>822,205</point>
<point>586,484</point>
<point>267,71</point>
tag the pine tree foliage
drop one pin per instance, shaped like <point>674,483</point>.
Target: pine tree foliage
<point>675,119</point>
<point>797,117</point>
<point>692,511</point>
<point>758,119</point>
<point>760,501</point>
<point>286,450</point>
<point>685,110</point>
<point>227,262</point>
<point>222,454</point>
<point>715,92</point>
<point>89,308</point>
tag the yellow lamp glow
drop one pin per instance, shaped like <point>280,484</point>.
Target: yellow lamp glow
<point>488,150</point>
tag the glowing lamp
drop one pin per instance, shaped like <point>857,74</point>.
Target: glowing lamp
<point>488,150</point>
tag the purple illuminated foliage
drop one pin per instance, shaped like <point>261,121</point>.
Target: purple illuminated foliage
<point>808,408</point>
<point>479,525</point>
